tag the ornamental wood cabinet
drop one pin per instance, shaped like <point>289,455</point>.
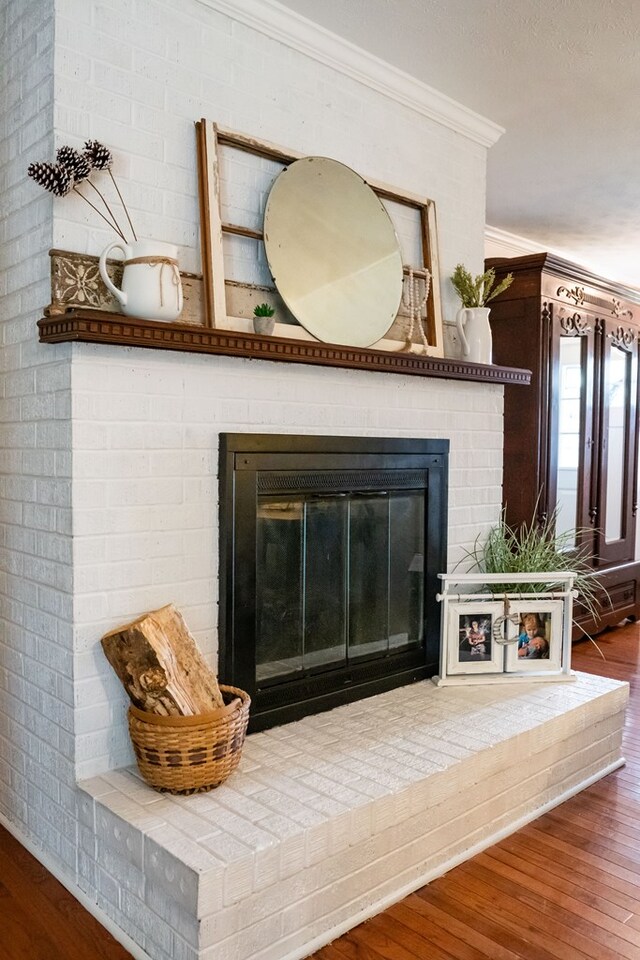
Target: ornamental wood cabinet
<point>571,438</point>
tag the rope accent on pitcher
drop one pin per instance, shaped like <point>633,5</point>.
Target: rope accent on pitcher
<point>164,262</point>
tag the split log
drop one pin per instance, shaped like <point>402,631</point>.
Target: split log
<point>160,666</point>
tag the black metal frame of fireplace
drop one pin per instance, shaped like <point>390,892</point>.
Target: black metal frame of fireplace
<point>242,458</point>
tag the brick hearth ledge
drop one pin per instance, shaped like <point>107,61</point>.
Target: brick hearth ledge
<point>331,819</point>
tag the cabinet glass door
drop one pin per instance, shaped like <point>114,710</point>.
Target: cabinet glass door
<point>618,428</point>
<point>617,401</point>
<point>570,436</point>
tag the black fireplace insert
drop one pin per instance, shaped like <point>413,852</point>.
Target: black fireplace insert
<point>330,549</point>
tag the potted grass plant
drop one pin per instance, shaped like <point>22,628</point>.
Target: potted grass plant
<point>536,548</point>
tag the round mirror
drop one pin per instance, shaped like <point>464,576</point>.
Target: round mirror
<point>333,252</point>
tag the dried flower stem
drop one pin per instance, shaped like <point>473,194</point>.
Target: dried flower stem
<point>100,214</point>
<point>124,206</point>
<point>478,292</point>
<point>114,222</point>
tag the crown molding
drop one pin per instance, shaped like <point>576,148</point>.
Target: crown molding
<point>516,245</point>
<point>278,22</point>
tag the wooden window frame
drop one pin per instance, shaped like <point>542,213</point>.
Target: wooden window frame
<point>210,138</point>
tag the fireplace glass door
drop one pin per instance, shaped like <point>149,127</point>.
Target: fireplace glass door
<point>338,579</point>
<point>330,551</point>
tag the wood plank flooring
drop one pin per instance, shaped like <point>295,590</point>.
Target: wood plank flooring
<point>39,919</point>
<point>566,887</point>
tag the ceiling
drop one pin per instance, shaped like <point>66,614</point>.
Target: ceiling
<point>561,76</point>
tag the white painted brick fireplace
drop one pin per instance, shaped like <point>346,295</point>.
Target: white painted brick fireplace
<point>109,459</point>
<point>331,819</point>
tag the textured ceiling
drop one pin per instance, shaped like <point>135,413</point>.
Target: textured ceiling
<point>562,77</point>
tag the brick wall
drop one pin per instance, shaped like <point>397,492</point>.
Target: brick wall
<point>146,425</point>
<point>143,426</point>
<point>36,637</point>
<point>145,489</point>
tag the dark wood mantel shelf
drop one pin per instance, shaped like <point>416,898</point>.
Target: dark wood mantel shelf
<point>96,326</point>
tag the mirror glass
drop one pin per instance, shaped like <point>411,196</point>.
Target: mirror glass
<point>618,402</point>
<point>570,435</point>
<point>333,252</point>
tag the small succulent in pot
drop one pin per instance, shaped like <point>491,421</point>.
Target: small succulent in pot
<point>263,318</point>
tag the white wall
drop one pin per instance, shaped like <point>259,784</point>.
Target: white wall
<point>146,425</point>
<point>143,426</point>
<point>36,637</point>
<point>145,489</point>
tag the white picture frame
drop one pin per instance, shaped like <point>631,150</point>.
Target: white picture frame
<point>538,631</point>
<point>471,642</point>
<point>499,613</point>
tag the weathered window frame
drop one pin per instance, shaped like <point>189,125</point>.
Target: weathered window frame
<point>211,139</point>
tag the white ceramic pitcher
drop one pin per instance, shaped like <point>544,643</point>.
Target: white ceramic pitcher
<point>475,333</point>
<point>151,286</point>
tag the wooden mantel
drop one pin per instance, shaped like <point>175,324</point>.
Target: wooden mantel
<point>98,326</point>
<point>83,310</point>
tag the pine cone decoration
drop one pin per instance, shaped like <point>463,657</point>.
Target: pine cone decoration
<point>98,155</point>
<point>56,179</point>
<point>75,166</point>
<point>75,162</point>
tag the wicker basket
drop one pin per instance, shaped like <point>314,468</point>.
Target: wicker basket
<point>191,754</point>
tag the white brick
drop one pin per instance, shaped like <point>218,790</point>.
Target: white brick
<point>112,507</point>
<point>375,850</point>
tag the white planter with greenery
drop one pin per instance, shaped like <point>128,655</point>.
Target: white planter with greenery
<point>472,319</point>
<point>475,334</point>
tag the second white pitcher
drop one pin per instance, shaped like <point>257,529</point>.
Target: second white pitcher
<point>475,333</point>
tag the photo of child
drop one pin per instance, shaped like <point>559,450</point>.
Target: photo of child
<point>533,636</point>
<point>474,638</point>
<point>511,636</point>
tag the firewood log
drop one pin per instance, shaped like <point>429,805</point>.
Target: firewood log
<point>160,666</point>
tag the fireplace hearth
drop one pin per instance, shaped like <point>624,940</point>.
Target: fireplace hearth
<point>330,549</point>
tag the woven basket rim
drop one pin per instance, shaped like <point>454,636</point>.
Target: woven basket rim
<point>239,699</point>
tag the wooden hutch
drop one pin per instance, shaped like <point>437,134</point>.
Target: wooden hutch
<point>571,440</point>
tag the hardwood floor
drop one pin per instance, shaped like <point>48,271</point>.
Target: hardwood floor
<point>39,919</point>
<point>566,887</point>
